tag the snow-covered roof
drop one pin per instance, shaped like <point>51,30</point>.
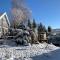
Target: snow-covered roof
<point>5,14</point>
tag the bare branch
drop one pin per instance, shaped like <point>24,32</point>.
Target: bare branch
<point>19,11</point>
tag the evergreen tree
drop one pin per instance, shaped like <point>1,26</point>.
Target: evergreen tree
<point>49,29</point>
<point>34,23</point>
<point>44,29</point>
<point>29,24</point>
<point>40,27</point>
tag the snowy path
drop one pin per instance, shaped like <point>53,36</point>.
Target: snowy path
<point>54,55</point>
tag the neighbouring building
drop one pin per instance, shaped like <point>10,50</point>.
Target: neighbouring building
<point>4,24</point>
<point>42,37</point>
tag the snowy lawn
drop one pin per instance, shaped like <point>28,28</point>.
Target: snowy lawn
<point>35,52</point>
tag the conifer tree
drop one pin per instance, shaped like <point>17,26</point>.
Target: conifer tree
<point>29,24</point>
<point>44,29</point>
<point>49,29</point>
<point>40,27</point>
<point>34,25</point>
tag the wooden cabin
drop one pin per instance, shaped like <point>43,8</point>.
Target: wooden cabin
<point>42,37</point>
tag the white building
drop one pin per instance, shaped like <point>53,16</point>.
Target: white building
<point>4,24</point>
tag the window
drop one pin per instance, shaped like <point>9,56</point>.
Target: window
<point>42,36</point>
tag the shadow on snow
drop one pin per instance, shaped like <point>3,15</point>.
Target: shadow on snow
<point>54,55</point>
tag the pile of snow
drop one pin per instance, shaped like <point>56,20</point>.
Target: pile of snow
<point>26,52</point>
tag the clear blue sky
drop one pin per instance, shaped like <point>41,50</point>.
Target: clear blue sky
<point>45,11</point>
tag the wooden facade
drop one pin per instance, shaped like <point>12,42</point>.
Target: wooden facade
<point>42,37</point>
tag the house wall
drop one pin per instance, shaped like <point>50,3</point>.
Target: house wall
<point>4,25</point>
<point>42,37</point>
<point>0,31</point>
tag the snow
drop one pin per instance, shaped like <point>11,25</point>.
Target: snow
<point>39,51</point>
<point>54,55</point>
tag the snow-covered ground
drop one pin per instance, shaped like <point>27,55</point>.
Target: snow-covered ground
<point>35,52</point>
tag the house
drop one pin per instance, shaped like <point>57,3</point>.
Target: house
<point>4,24</point>
<point>42,37</point>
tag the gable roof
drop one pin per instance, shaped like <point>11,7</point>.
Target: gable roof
<point>5,14</point>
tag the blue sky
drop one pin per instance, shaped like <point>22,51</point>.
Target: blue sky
<point>45,11</point>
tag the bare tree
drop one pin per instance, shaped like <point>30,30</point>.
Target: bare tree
<point>19,11</point>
